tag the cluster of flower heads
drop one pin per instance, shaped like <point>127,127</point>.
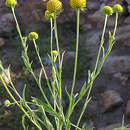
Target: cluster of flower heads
<point>107,10</point>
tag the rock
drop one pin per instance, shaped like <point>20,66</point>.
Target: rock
<point>93,5</point>
<point>127,20</point>
<point>6,23</point>
<point>111,127</point>
<point>48,72</point>
<point>115,64</point>
<point>128,109</point>
<point>2,42</point>
<point>128,1</point>
<point>110,99</point>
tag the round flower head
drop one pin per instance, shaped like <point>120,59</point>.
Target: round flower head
<point>55,52</point>
<point>11,3</point>
<point>117,8</point>
<point>48,15</point>
<point>33,36</point>
<point>7,103</point>
<point>54,6</point>
<point>107,10</point>
<point>78,3</point>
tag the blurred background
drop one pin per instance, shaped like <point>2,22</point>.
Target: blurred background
<point>111,90</point>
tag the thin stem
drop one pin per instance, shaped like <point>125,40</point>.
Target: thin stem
<point>114,32</point>
<point>76,55</point>
<point>17,102</point>
<point>101,44</point>
<point>57,43</point>
<point>43,71</point>
<point>95,69</point>
<point>75,67</point>
<point>17,27</point>
<point>51,22</point>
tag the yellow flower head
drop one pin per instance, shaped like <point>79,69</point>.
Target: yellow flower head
<point>33,36</point>
<point>78,3</point>
<point>54,6</point>
<point>55,52</point>
<point>10,3</point>
<point>117,8</point>
<point>107,10</point>
<point>48,15</point>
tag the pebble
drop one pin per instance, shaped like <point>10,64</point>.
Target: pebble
<point>110,99</point>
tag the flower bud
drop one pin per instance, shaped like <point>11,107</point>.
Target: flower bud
<point>11,3</point>
<point>7,103</point>
<point>33,36</point>
<point>55,52</point>
<point>54,6</point>
<point>107,10</point>
<point>78,3</point>
<point>48,15</point>
<point>117,8</point>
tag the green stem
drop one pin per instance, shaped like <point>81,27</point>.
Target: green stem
<point>114,32</point>
<point>43,71</point>
<point>94,72</point>
<point>75,67</point>
<point>57,43</point>
<point>101,44</point>
<point>76,55</point>
<point>17,27</point>
<point>8,91</point>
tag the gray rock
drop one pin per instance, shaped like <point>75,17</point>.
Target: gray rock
<point>6,23</point>
<point>110,99</point>
<point>115,64</point>
<point>110,127</point>
<point>127,20</point>
<point>128,109</point>
<point>93,5</point>
<point>128,1</point>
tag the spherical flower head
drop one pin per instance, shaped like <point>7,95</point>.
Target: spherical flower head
<point>54,6</point>
<point>78,3</point>
<point>7,103</point>
<point>49,15</point>
<point>107,10</point>
<point>117,8</point>
<point>55,52</point>
<point>11,3</point>
<point>33,36</point>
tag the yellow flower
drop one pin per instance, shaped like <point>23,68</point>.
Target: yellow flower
<point>78,3</point>
<point>117,8</point>
<point>10,3</point>
<point>48,15</point>
<point>54,6</point>
<point>107,10</point>
<point>55,52</point>
<point>33,36</point>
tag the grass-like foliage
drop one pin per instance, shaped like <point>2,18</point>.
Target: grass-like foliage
<point>43,110</point>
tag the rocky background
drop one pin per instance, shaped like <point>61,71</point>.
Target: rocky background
<point>111,91</point>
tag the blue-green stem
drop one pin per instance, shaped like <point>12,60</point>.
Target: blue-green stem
<point>8,91</point>
<point>95,69</point>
